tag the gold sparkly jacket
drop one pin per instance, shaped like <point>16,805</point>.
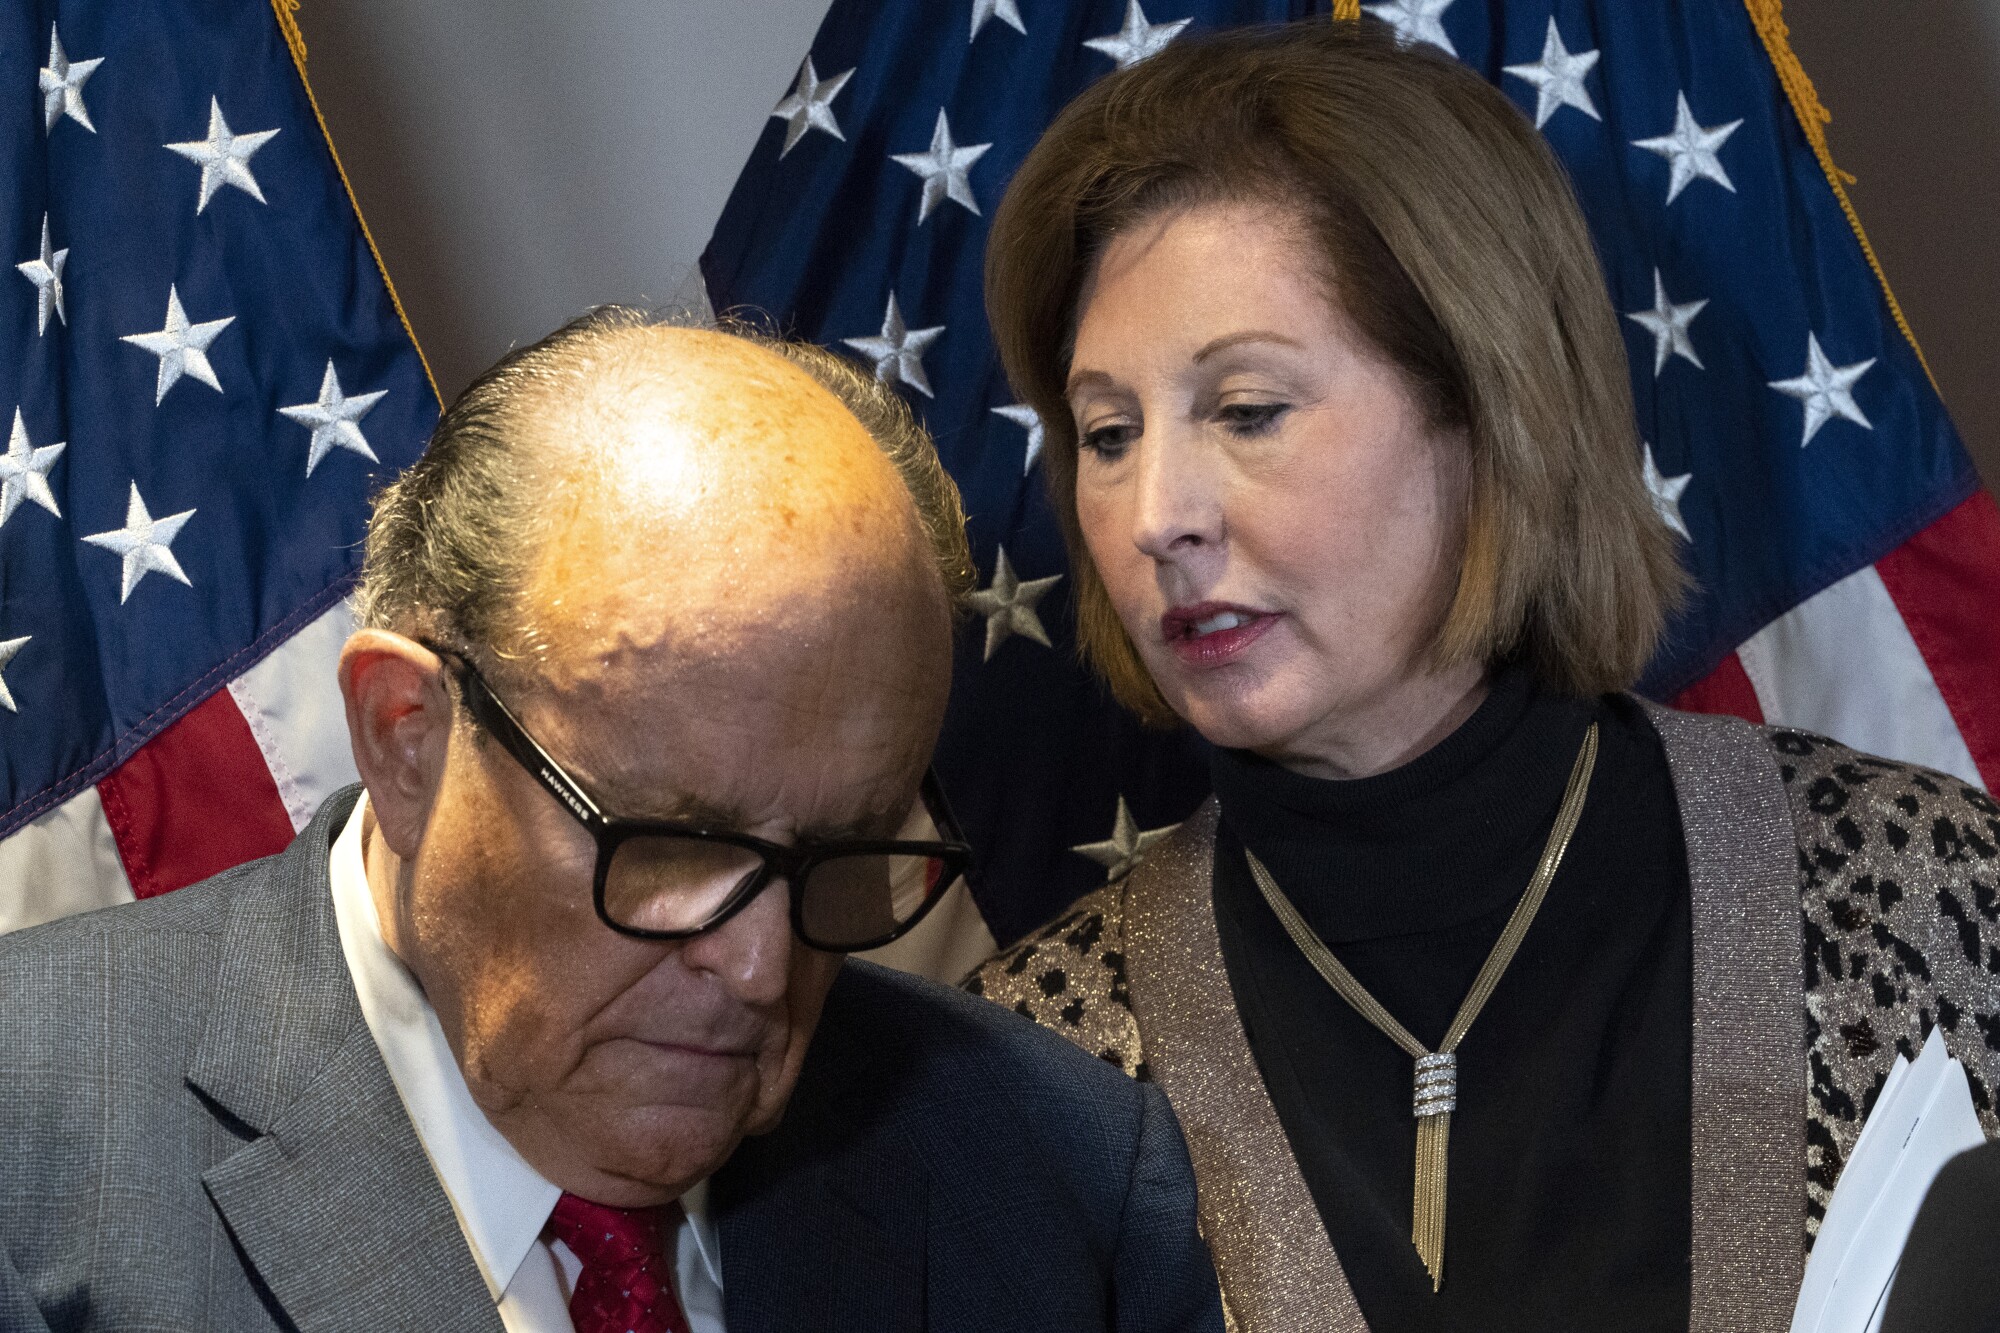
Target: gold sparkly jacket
<point>1842,904</point>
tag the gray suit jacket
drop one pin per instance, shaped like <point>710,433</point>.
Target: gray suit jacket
<point>197,1132</point>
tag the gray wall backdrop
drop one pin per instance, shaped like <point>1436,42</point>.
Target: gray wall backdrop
<point>520,160</point>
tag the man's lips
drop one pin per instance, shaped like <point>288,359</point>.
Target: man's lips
<point>705,1052</point>
<point>1211,633</point>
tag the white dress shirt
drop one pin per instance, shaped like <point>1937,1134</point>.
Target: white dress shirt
<point>502,1203</point>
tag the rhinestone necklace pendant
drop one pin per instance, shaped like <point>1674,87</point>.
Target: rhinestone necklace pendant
<point>1437,1084</point>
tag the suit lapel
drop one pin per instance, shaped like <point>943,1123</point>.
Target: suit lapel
<point>331,1200</point>
<point>338,1210</point>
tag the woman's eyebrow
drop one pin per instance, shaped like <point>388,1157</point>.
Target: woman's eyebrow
<point>1079,379</point>
<point>1229,340</point>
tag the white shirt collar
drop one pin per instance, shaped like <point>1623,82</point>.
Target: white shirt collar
<point>502,1203</point>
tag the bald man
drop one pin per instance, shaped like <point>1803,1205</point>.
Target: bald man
<point>546,1025</point>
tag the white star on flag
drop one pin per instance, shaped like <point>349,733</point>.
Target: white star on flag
<point>810,106</point>
<point>1009,606</point>
<point>182,347</point>
<point>145,543</point>
<point>899,350</point>
<point>1558,78</point>
<point>1030,421</point>
<point>1416,21</point>
<point>62,85</point>
<point>1007,11</point>
<point>1666,493</point>
<point>24,472</point>
<point>1137,39</point>
<point>1121,853</point>
<point>943,167</point>
<point>334,420</point>
<point>224,157</point>
<point>1668,323</point>
<point>1692,149</point>
<point>1825,389</point>
<point>45,271</point>
<point>7,652</point>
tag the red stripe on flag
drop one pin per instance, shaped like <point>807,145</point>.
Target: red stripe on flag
<point>1727,689</point>
<point>1946,583</point>
<point>196,799</point>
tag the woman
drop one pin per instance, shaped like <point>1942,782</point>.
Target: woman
<point>1339,432</point>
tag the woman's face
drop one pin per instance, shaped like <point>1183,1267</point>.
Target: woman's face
<point>1269,510</point>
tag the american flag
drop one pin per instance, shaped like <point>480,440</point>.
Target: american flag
<point>1848,564</point>
<point>206,374</point>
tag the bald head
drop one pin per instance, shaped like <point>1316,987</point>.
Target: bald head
<point>705,488</point>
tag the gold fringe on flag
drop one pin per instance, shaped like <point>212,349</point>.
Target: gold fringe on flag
<point>1768,16</point>
<point>1350,10</point>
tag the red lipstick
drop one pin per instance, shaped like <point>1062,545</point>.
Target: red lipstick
<point>1208,634</point>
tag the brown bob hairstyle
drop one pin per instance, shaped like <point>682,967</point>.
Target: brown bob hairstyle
<point>1452,241</point>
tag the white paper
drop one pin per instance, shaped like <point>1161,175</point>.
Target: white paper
<point>1890,1086</point>
<point>1860,1182</point>
<point>1881,1307</point>
<point>1922,1120</point>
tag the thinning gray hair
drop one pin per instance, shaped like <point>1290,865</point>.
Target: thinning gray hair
<point>451,543</point>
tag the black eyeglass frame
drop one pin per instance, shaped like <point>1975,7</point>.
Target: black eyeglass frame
<point>794,862</point>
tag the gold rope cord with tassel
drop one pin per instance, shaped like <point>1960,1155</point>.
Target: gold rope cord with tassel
<point>287,15</point>
<point>1436,1077</point>
<point>288,24</point>
<point>1768,17</point>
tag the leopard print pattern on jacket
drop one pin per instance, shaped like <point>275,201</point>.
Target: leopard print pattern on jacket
<point>1899,886</point>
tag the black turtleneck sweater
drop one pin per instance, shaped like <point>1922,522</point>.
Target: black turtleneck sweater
<point>1568,1201</point>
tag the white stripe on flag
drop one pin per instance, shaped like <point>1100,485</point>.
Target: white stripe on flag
<point>292,702</point>
<point>63,863</point>
<point>1843,664</point>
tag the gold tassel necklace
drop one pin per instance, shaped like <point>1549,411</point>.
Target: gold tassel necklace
<point>1436,1092</point>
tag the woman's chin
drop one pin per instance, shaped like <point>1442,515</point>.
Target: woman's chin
<point>1258,704</point>
<point>1233,722</point>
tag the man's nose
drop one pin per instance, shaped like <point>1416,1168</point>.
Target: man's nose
<point>1177,504</point>
<point>751,953</point>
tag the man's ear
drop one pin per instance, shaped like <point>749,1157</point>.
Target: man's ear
<point>399,717</point>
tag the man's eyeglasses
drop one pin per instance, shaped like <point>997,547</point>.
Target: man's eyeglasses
<point>659,880</point>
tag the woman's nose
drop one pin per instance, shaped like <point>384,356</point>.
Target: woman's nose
<point>1177,505</point>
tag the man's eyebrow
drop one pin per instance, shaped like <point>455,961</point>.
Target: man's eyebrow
<point>719,819</point>
<point>864,830</point>
<point>873,827</point>
<point>1229,340</point>
<point>686,810</point>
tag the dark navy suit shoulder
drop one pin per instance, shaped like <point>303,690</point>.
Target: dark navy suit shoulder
<point>960,1168</point>
<point>901,1056</point>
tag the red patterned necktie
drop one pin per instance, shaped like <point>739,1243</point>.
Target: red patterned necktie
<point>627,1282</point>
